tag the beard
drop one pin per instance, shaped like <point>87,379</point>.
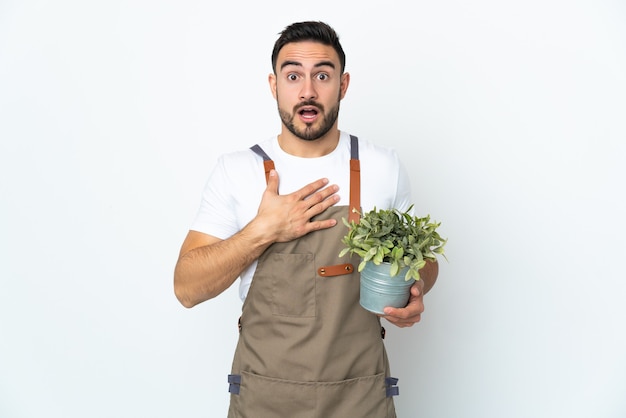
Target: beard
<point>310,132</point>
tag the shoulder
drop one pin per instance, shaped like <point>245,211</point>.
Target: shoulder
<point>245,156</point>
<point>384,180</point>
<point>242,161</point>
<point>236,172</point>
<point>231,194</point>
<point>374,153</point>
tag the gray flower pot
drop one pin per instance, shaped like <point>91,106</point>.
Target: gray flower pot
<point>379,289</point>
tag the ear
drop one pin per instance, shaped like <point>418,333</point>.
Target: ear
<point>345,81</point>
<point>272,80</point>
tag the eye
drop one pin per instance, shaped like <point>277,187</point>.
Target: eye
<point>292,77</point>
<point>323,76</point>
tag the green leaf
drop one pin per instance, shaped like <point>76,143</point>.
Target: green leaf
<point>412,274</point>
<point>378,258</point>
<point>395,269</point>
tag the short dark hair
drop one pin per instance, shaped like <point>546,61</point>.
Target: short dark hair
<point>309,31</point>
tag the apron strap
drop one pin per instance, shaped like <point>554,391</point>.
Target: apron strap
<point>355,181</point>
<point>268,164</point>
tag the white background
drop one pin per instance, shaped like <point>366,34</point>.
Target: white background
<point>509,115</point>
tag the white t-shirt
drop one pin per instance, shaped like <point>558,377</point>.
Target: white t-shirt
<point>233,191</point>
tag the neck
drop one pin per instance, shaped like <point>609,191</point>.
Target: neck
<point>298,147</point>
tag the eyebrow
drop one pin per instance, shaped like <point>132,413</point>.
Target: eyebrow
<point>298,64</point>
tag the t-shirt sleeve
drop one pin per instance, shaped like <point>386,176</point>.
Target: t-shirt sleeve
<point>403,197</point>
<point>215,216</point>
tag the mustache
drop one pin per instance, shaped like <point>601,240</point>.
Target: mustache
<point>308,103</point>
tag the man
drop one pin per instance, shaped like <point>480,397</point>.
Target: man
<point>306,347</point>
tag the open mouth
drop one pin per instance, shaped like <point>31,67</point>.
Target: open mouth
<point>308,113</point>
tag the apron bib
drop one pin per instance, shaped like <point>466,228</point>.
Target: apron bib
<point>306,347</point>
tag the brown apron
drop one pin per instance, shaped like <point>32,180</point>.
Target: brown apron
<point>306,347</point>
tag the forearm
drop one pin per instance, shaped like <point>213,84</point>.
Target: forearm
<point>429,274</point>
<point>204,272</point>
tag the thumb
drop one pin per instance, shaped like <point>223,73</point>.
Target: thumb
<point>272,182</point>
<point>416,289</point>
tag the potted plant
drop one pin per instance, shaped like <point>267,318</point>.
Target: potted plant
<point>393,246</point>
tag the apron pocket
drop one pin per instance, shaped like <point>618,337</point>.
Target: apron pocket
<point>268,397</point>
<point>292,277</point>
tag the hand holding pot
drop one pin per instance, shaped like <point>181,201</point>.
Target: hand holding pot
<point>411,314</point>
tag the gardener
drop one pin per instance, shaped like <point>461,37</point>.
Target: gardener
<point>306,346</point>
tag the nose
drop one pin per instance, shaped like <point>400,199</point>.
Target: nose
<point>308,90</point>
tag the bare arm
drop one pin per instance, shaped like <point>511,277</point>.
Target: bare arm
<point>429,274</point>
<point>208,265</point>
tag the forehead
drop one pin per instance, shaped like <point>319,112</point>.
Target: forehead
<point>307,53</point>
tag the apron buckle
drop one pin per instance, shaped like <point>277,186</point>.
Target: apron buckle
<point>392,389</point>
